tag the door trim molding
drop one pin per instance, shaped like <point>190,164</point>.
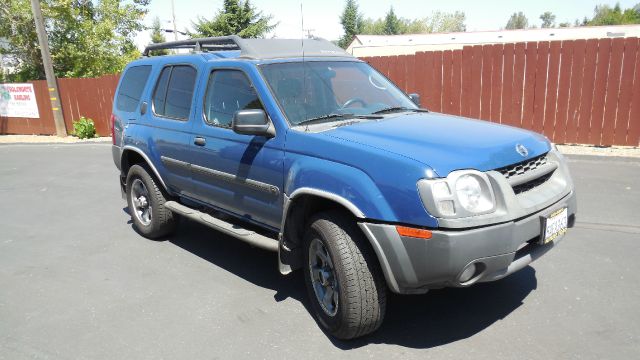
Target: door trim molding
<point>221,175</point>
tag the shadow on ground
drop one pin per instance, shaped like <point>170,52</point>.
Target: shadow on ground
<point>416,321</point>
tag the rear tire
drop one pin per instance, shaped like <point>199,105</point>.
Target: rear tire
<point>146,204</point>
<point>347,290</point>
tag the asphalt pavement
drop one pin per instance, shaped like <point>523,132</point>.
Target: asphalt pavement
<point>77,282</point>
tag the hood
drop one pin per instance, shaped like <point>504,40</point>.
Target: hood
<point>444,142</point>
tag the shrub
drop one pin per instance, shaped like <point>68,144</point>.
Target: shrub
<point>84,128</point>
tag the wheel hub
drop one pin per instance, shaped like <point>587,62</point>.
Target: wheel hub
<point>323,279</point>
<point>139,199</point>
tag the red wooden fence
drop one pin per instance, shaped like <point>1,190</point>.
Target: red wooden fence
<point>43,125</point>
<point>88,97</point>
<point>579,91</point>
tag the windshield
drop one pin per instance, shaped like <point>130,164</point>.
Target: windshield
<point>331,90</point>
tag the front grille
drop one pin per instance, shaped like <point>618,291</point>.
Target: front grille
<point>523,167</point>
<point>524,187</point>
<point>512,172</point>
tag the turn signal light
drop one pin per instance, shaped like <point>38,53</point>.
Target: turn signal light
<point>413,232</point>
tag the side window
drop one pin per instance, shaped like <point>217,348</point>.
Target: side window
<point>174,92</point>
<point>160,93</point>
<point>227,92</point>
<point>131,87</point>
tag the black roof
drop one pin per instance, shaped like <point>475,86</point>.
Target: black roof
<point>256,48</point>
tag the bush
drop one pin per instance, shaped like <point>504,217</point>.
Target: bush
<point>84,128</point>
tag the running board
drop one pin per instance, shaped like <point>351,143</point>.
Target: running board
<point>236,231</point>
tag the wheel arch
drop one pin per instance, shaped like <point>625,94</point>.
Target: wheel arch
<point>301,205</point>
<point>131,156</point>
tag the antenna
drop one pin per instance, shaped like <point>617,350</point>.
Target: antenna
<point>304,68</point>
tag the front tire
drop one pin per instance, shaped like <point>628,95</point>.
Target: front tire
<point>345,285</point>
<point>146,204</point>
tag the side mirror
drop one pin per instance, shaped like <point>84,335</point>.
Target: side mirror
<point>415,98</point>
<point>143,108</point>
<point>252,122</point>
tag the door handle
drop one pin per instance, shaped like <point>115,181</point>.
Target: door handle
<point>200,141</point>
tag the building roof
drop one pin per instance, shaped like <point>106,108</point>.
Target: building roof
<point>372,45</point>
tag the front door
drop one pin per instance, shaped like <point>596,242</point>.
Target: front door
<point>242,174</point>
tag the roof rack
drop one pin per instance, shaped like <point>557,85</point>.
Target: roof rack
<point>232,42</point>
<point>256,48</point>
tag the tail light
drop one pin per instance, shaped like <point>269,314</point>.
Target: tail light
<point>113,129</point>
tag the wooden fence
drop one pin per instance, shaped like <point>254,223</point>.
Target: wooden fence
<point>579,91</point>
<point>43,125</point>
<point>88,97</point>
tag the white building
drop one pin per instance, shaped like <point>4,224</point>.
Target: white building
<point>381,45</point>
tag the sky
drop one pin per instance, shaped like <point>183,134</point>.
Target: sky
<point>322,17</point>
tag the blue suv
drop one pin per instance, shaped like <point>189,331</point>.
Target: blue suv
<point>297,147</point>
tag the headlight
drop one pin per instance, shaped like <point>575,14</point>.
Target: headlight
<point>462,193</point>
<point>473,194</point>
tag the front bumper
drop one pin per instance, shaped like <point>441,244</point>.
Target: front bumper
<point>412,265</point>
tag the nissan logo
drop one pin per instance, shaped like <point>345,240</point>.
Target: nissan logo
<point>522,150</point>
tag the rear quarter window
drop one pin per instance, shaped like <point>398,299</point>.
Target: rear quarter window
<point>131,87</point>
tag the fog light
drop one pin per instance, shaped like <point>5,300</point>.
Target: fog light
<point>467,273</point>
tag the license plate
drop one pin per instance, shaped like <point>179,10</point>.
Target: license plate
<point>554,226</point>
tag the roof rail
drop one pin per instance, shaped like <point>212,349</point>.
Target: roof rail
<point>231,42</point>
<point>256,48</point>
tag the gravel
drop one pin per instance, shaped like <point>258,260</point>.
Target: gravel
<point>624,151</point>
<point>43,139</point>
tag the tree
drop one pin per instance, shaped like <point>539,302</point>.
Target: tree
<point>548,19</point>
<point>445,22</point>
<point>437,22</point>
<point>392,25</point>
<point>517,21</point>
<point>87,38</point>
<point>352,23</point>
<point>236,17</point>
<point>157,36</point>
<point>605,15</point>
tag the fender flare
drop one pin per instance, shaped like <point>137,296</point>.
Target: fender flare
<point>148,161</point>
<point>324,194</point>
<point>286,268</point>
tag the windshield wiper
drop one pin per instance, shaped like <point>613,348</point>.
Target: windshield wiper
<point>397,108</point>
<point>325,118</point>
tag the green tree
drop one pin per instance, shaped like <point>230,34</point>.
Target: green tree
<point>548,19</point>
<point>445,22</point>
<point>517,21</point>
<point>87,38</point>
<point>437,22</point>
<point>606,15</point>
<point>236,17</point>
<point>157,36</point>
<point>392,25</point>
<point>352,23</point>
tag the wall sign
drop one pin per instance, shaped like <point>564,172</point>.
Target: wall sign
<point>18,100</point>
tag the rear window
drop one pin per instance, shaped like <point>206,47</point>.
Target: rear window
<point>131,87</point>
<point>174,92</point>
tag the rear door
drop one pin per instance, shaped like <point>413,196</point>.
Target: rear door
<point>168,122</point>
<point>242,174</point>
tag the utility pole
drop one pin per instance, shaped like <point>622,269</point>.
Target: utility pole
<point>173,14</point>
<point>43,40</point>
